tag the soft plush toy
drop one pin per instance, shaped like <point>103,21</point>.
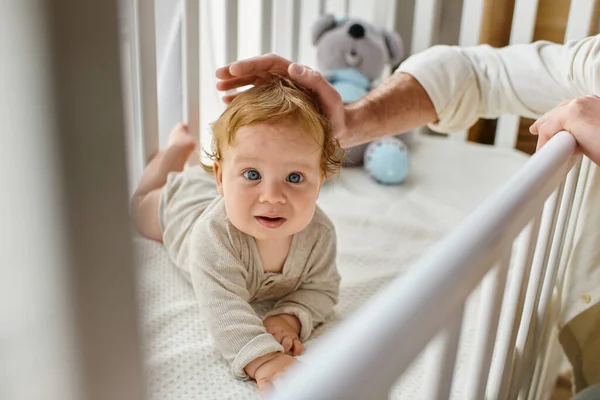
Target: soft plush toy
<point>351,54</point>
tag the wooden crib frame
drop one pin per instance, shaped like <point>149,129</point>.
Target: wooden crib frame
<point>76,163</point>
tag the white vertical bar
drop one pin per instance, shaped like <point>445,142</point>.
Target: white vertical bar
<point>470,35</point>
<point>581,18</point>
<point>442,365</point>
<point>266,32</point>
<point>147,97</point>
<point>192,67</point>
<point>296,9</point>
<point>584,169</point>
<point>231,30</point>
<point>361,9</point>
<point>536,389</point>
<point>552,267</point>
<point>541,367</point>
<point>471,23</point>
<point>129,73</point>
<point>534,289</point>
<point>322,6</point>
<point>485,338</point>
<point>69,325</point>
<point>512,308</point>
<point>283,21</point>
<point>426,24</point>
<point>251,29</point>
<point>384,14</point>
<point>309,14</point>
<point>522,29</point>
<point>339,8</point>
<point>37,334</point>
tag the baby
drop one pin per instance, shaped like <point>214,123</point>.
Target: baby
<point>258,233</point>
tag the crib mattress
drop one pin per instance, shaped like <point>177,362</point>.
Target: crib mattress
<point>381,231</point>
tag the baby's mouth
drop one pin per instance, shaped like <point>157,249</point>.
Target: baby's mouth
<point>352,58</point>
<point>270,222</point>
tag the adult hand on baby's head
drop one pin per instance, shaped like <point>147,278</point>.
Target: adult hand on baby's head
<point>267,372</point>
<point>253,71</point>
<point>580,117</point>
<point>285,329</point>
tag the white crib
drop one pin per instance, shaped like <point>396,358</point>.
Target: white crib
<point>507,252</point>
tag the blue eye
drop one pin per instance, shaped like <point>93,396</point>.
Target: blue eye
<point>294,177</point>
<point>252,175</point>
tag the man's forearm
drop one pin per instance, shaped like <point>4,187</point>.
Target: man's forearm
<point>396,106</point>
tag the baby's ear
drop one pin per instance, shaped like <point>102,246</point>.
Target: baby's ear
<point>218,176</point>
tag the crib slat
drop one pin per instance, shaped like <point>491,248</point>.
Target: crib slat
<point>577,193</point>
<point>145,82</point>
<point>322,6</point>
<point>231,30</point>
<point>552,350</point>
<point>266,26</point>
<point>297,8</point>
<point>68,316</point>
<point>309,13</point>
<point>283,21</point>
<point>251,28</point>
<point>581,20</point>
<point>534,289</point>
<point>384,14</point>
<point>339,8</point>
<point>426,24</point>
<point>542,329</point>
<point>192,67</point>
<point>522,29</point>
<point>511,312</point>
<point>491,303</point>
<point>585,165</point>
<point>442,363</point>
<point>362,9</point>
<point>470,35</point>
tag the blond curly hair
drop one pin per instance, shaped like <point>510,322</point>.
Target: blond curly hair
<point>279,99</point>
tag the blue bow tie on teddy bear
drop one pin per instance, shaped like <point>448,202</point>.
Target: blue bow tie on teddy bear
<point>350,83</point>
<point>351,55</point>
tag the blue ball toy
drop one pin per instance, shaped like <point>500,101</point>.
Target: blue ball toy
<point>387,160</point>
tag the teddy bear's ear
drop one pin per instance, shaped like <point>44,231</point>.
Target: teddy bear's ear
<point>325,23</point>
<point>395,46</point>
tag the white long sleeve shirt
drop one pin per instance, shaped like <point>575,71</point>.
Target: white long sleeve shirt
<point>466,84</point>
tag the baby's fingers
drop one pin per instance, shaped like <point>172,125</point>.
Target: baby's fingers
<point>263,384</point>
<point>287,342</point>
<point>297,348</point>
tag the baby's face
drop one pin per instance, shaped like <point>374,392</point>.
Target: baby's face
<point>270,178</point>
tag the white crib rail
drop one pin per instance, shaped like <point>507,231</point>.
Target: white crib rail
<point>191,68</point>
<point>68,320</point>
<point>397,323</point>
<point>144,82</point>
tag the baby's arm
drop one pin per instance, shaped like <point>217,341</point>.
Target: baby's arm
<point>219,280</point>
<point>315,298</point>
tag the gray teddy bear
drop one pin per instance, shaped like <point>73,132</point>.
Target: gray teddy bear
<point>351,55</point>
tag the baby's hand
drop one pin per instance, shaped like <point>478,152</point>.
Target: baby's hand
<point>268,371</point>
<point>285,329</point>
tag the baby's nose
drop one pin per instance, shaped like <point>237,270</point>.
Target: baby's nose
<point>272,193</point>
<point>357,31</point>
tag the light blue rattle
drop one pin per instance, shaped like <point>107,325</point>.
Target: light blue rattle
<point>387,161</point>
